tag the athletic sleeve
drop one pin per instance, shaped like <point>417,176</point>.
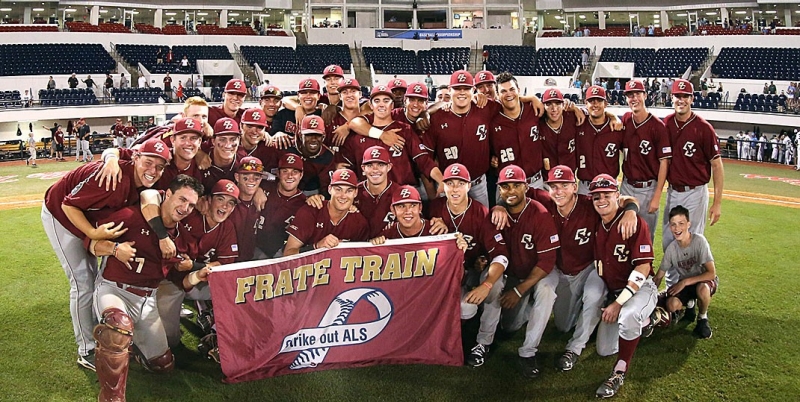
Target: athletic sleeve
<point>419,154</point>
<point>227,247</point>
<point>302,227</point>
<point>710,142</point>
<point>545,238</point>
<point>661,139</point>
<point>641,247</point>
<point>492,240</point>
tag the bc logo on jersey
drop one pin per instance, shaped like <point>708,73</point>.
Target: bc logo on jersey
<point>611,150</point>
<point>481,133</point>
<point>645,147</point>
<point>621,252</point>
<point>688,149</point>
<point>582,236</point>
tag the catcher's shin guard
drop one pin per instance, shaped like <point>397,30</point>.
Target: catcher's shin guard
<point>113,336</point>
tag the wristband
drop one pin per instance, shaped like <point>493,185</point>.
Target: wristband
<point>625,295</point>
<point>114,252</point>
<point>194,278</point>
<point>375,133</point>
<point>517,292</point>
<point>158,226</point>
<point>109,154</point>
<point>196,266</point>
<point>631,206</point>
<point>487,284</point>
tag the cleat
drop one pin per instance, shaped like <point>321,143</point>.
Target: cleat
<point>567,361</point>
<point>689,314</point>
<point>205,321</point>
<point>477,355</point>
<point>208,347</point>
<point>702,329</point>
<point>612,385</point>
<point>87,361</point>
<point>530,367</point>
<point>186,313</point>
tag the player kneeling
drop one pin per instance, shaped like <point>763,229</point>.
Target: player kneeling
<point>407,209</point>
<point>691,269</point>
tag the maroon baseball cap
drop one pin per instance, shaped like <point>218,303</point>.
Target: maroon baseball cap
<point>351,83</point>
<point>188,125</point>
<point>417,90</point>
<point>334,70</point>
<point>271,91</point>
<point>375,154</point>
<point>226,187</point>
<point>461,78</point>
<point>603,183</point>
<point>511,174</point>
<point>484,76</point>
<point>236,86</point>
<point>682,87</point>
<point>634,86</point>
<point>345,177</point>
<point>255,117</point>
<point>155,147</point>
<point>380,90</point>
<point>308,84</point>
<point>552,95</point>
<point>561,174</point>
<point>595,92</point>
<point>250,164</point>
<point>397,83</point>
<point>226,126</point>
<point>291,161</point>
<point>456,171</point>
<point>312,124</point>
<point>406,194</point>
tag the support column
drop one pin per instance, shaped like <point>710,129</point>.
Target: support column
<point>665,24</point>
<point>26,16</point>
<point>787,17</point>
<point>94,15</point>
<point>158,18</point>
<point>601,19</point>
<point>414,21</point>
<point>223,19</point>
<point>723,14</point>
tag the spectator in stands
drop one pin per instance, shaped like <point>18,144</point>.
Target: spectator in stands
<point>586,32</point>
<point>585,59</point>
<point>429,82</point>
<point>168,85</point>
<point>485,56</point>
<point>89,82</point>
<point>198,83</point>
<point>616,85</point>
<point>725,24</point>
<point>651,31</point>
<point>773,90</point>
<point>704,87</point>
<point>26,99</point>
<point>159,55</point>
<point>185,64</point>
<point>636,30</point>
<point>51,84</point>
<point>766,88</point>
<point>169,58</point>
<point>435,36</point>
<point>123,81</point>
<point>578,83</point>
<point>179,91</point>
<point>73,81</point>
<point>109,84</point>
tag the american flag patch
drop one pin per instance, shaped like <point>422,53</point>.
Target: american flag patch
<point>716,147</point>
<point>234,247</point>
<point>553,238</point>
<point>666,150</point>
<point>498,237</point>
<point>644,248</point>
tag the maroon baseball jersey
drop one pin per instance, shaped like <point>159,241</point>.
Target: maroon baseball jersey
<point>517,141</point>
<point>148,268</point>
<point>464,139</point>
<point>163,133</point>
<point>172,171</point>
<point>311,225</point>
<point>338,121</point>
<point>559,143</point>
<point>393,231</point>
<point>576,231</point>
<point>59,137</point>
<point>532,240</point>
<point>475,223</point>
<point>131,131</point>
<point>616,258</point>
<point>598,150</point>
<point>79,189</point>
<point>696,144</point>
<point>403,161</point>
<point>276,215</point>
<point>216,172</point>
<point>375,208</point>
<point>324,98</point>
<point>118,130</point>
<point>210,243</point>
<point>316,170</point>
<point>644,146</point>
<point>217,112</point>
<point>399,114</point>
<point>244,218</point>
<point>268,156</point>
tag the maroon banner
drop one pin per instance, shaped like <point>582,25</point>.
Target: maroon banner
<point>352,306</point>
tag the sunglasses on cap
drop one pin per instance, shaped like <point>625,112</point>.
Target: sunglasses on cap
<point>602,183</point>
<point>253,167</point>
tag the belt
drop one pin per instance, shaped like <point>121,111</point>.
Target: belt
<point>640,184</point>
<point>683,189</point>
<point>535,178</point>
<point>479,180</point>
<point>143,292</point>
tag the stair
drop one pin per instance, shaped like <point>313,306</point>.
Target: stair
<point>529,39</point>
<point>361,69</point>
<point>133,70</point>
<point>475,60</point>
<point>247,70</point>
<point>301,38</point>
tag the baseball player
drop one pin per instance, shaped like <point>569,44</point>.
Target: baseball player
<point>65,221</point>
<point>462,214</point>
<point>443,93</point>
<point>646,155</point>
<point>30,143</point>
<point>232,100</point>
<point>315,228</point>
<point>597,144</point>
<point>486,84</point>
<point>285,123</point>
<point>245,216</point>
<point>409,222</point>
<point>398,88</point>
<point>195,108</point>
<point>332,75</point>
<point>124,299</point>
<point>118,132</point>
<point>696,158</point>
<point>224,156</point>
<point>797,144</point>
<point>694,272</point>
<point>532,241</point>
<point>337,128</point>
<point>318,160</point>
<point>626,267</point>
<point>283,200</point>
<point>130,133</point>
<point>271,101</point>
<point>558,130</point>
<point>375,193</point>
<point>253,139</point>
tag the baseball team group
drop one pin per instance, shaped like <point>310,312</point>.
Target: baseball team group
<point>531,186</point>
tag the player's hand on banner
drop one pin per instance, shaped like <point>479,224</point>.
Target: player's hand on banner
<point>477,295</point>
<point>329,241</point>
<point>340,135</point>
<point>714,213</point>
<point>509,299</point>
<point>627,224</point>
<point>461,243</point>
<point>260,199</point>
<point>110,174</point>
<point>167,247</point>
<point>125,253</point>
<point>204,273</point>
<point>437,227</point>
<point>500,217</point>
<point>611,313</point>
<point>392,140</point>
<point>108,231</point>
<point>315,201</point>
<point>378,240</point>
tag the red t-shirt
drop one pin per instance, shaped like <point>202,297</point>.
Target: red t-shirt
<point>517,141</point>
<point>696,145</point>
<point>276,215</point>
<point>311,225</point>
<point>644,146</point>
<point>475,223</point>
<point>598,150</point>
<point>617,258</point>
<point>532,240</point>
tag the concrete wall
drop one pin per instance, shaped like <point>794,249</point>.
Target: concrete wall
<point>717,42</point>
